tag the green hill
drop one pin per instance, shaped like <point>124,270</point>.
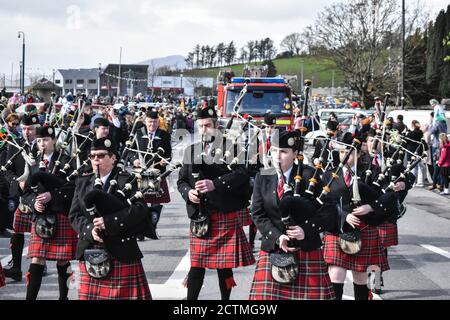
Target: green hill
<point>319,70</point>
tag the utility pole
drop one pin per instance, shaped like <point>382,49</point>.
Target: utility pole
<point>22,87</point>
<point>120,67</point>
<point>402,92</point>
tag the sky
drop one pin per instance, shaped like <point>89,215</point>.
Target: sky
<point>84,33</point>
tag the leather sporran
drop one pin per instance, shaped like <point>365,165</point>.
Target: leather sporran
<point>45,225</point>
<point>98,262</point>
<point>350,242</point>
<point>200,227</point>
<point>284,267</point>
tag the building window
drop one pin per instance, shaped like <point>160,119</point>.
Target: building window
<point>68,81</point>
<point>57,81</point>
<point>92,81</point>
<point>80,81</point>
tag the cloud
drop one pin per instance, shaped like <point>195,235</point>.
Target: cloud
<point>71,33</point>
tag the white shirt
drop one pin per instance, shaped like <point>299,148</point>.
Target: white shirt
<point>106,178</point>
<point>286,174</point>
<point>49,157</point>
<point>345,169</point>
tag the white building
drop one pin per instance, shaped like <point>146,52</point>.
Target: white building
<point>179,84</point>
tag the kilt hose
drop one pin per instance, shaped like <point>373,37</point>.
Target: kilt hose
<point>388,233</point>
<point>2,277</point>
<point>164,197</point>
<point>22,222</point>
<point>371,253</point>
<point>126,281</point>
<point>312,283</point>
<point>61,247</point>
<point>226,245</point>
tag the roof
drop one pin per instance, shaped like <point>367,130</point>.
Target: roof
<point>79,73</point>
<point>43,84</point>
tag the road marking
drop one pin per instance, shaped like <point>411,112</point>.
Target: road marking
<point>173,288</point>
<point>436,250</point>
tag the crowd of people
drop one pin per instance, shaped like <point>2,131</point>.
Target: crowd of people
<point>89,184</point>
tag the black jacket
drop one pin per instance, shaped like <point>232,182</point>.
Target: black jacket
<point>161,140</point>
<point>267,216</point>
<point>121,226</point>
<point>231,188</point>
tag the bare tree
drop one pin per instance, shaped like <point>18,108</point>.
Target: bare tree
<point>292,43</point>
<point>362,38</point>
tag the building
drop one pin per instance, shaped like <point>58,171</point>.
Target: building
<point>189,86</point>
<point>78,80</point>
<point>133,80</point>
<point>44,89</point>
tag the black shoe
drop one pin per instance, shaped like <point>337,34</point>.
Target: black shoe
<point>140,237</point>
<point>45,270</point>
<point>13,273</point>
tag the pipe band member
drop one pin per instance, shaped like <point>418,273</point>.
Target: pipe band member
<point>115,231</point>
<point>225,195</point>
<point>302,237</point>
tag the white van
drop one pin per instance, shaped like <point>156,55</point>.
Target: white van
<point>423,116</point>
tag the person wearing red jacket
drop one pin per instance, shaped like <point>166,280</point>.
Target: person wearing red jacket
<point>444,161</point>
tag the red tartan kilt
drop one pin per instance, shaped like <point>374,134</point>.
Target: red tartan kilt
<point>245,217</point>
<point>388,233</point>
<point>312,283</point>
<point>61,247</point>
<point>163,198</point>
<point>225,247</point>
<point>2,277</point>
<point>371,253</point>
<point>126,281</point>
<point>22,222</point>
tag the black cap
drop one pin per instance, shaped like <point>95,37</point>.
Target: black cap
<point>47,131</point>
<point>332,125</point>
<point>152,114</point>
<point>101,122</point>
<point>30,119</point>
<point>106,144</point>
<point>206,113</point>
<point>286,139</point>
<point>269,119</point>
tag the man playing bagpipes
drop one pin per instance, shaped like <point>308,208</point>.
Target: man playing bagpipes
<point>357,245</point>
<point>52,237</point>
<point>15,174</point>
<point>215,195</point>
<point>150,138</point>
<point>291,264</point>
<point>107,213</point>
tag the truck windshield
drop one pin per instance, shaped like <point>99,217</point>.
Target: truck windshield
<point>257,101</point>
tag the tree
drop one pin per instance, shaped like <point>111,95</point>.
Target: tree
<point>230,53</point>
<point>197,55</point>
<point>362,38</point>
<point>220,53</point>
<point>251,51</point>
<point>244,55</point>
<point>292,43</point>
<point>272,70</point>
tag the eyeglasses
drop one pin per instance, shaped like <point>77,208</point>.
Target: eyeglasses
<point>98,155</point>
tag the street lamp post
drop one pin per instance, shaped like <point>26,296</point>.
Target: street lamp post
<point>402,92</point>
<point>181,89</point>
<point>22,84</point>
<point>99,78</point>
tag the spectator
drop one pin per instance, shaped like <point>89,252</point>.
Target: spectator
<point>399,125</point>
<point>414,145</point>
<point>444,161</point>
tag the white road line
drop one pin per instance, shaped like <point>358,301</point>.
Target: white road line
<point>173,288</point>
<point>436,250</point>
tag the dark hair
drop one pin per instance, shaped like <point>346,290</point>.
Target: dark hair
<point>400,117</point>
